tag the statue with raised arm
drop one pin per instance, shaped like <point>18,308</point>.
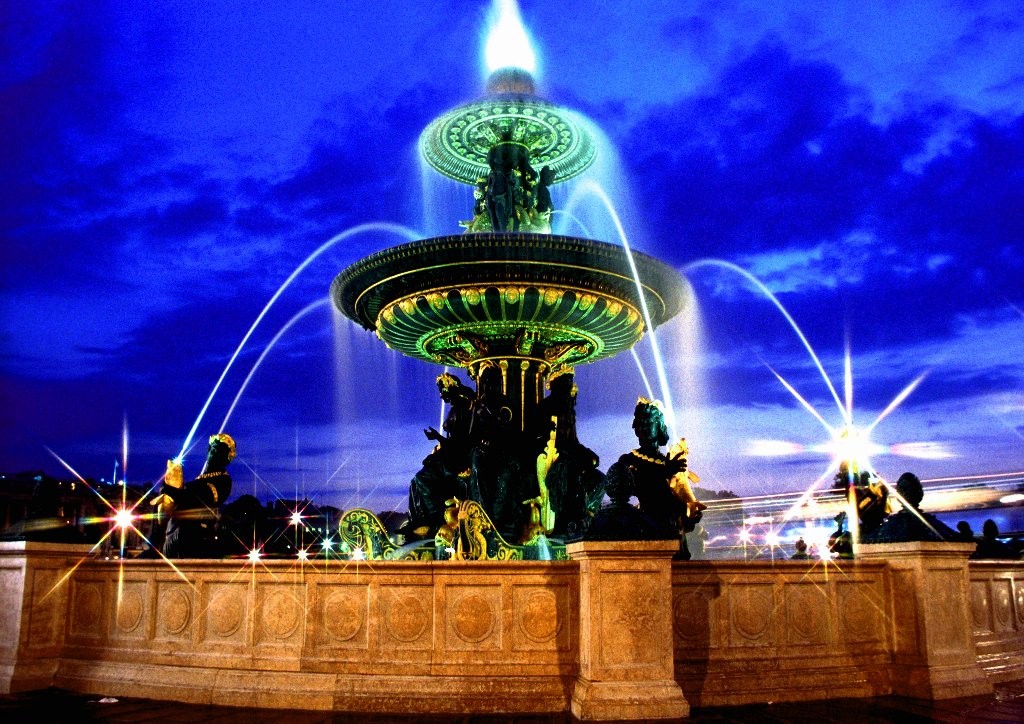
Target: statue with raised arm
<point>446,469</point>
<point>193,508</point>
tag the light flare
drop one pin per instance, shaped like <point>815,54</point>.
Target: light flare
<point>123,518</point>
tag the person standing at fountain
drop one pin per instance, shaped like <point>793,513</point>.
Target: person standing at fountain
<point>911,523</point>
<point>193,507</point>
<point>990,547</point>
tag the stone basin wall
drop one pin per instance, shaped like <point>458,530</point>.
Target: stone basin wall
<point>487,637</point>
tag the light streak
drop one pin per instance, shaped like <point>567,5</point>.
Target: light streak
<point>266,350</point>
<point>591,187</point>
<point>372,226</point>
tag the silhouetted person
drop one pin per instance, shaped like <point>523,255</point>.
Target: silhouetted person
<point>801,550</point>
<point>911,523</point>
<point>990,547</point>
<point>966,534</point>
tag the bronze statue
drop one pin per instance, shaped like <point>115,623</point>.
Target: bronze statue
<point>503,159</point>
<point>867,494</point>
<point>446,469</point>
<point>543,193</point>
<point>496,461</point>
<point>570,479</point>
<point>655,479</point>
<point>513,196</point>
<point>192,508</point>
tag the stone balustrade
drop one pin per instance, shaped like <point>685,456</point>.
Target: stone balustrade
<point>618,632</point>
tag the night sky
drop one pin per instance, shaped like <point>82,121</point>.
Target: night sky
<point>167,166</point>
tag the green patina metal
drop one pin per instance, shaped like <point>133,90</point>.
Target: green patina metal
<point>455,300</point>
<point>360,530</point>
<point>457,143</point>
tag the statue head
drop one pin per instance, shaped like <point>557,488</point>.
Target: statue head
<point>448,385</point>
<point>649,423</point>
<point>989,529</point>
<point>220,452</point>
<point>547,175</point>
<point>909,488</point>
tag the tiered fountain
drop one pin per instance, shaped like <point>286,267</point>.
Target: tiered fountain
<point>516,307</point>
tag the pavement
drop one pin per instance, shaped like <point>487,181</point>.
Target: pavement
<point>55,706</point>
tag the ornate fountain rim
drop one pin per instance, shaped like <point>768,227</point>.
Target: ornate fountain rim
<point>572,290</point>
<point>456,144</point>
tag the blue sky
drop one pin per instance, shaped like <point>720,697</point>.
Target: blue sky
<point>166,167</point>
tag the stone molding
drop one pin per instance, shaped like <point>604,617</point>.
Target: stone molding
<point>586,635</point>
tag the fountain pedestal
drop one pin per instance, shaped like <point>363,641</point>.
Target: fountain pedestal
<point>626,668</point>
<point>933,651</point>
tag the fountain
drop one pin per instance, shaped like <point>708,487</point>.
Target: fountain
<point>616,632</point>
<point>517,307</point>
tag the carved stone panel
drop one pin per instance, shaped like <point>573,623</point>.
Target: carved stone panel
<point>981,611</point>
<point>807,612</point>
<point>1018,595</point>
<point>281,614</point>
<point>129,611</point>
<point>632,604</point>
<point>542,617</point>
<point>173,610</point>
<point>473,617</point>
<point>861,612</point>
<point>1002,604</point>
<point>942,601</point>
<point>906,638</point>
<point>87,608</point>
<point>751,615</point>
<point>407,617</point>
<point>46,598</point>
<point>343,616</point>
<point>226,613</point>
<point>692,619</point>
